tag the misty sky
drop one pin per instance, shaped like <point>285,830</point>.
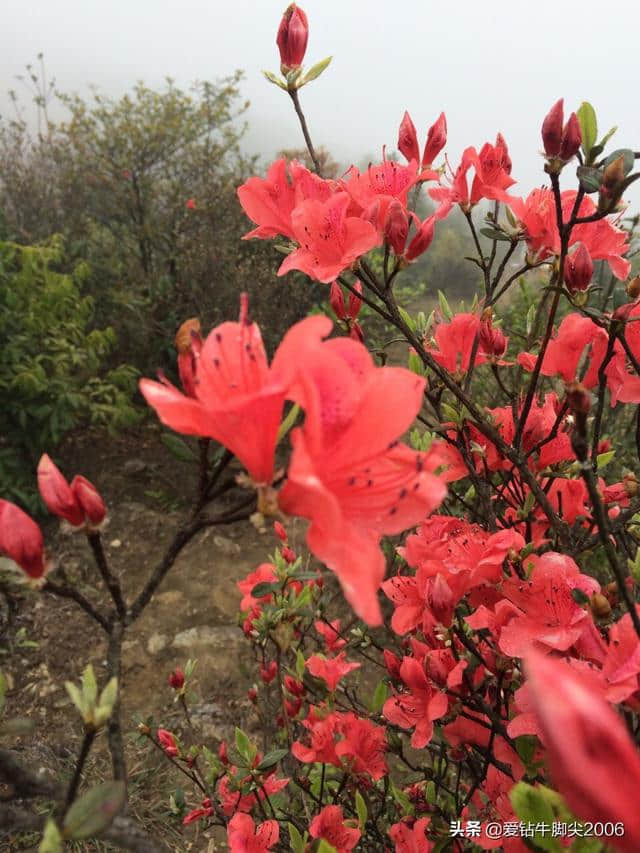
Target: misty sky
<point>490,66</point>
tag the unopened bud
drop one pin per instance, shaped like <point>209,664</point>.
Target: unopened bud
<point>633,287</point>
<point>336,300</point>
<point>176,679</point>
<point>279,530</point>
<point>355,301</point>
<point>600,606</point>
<point>396,226</point>
<point>252,694</point>
<point>436,140</point>
<point>552,129</point>
<point>89,499</point>
<point>292,38</point>
<point>492,341</point>
<point>56,493</point>
<point>268,672</point>
<point>408,139</point>
<point>571,138</point>
<point>422,239</point>
<point>21,540</point>
<point>578,269</point>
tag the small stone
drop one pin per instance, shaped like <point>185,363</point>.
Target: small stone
<point>115,543</point>
<point>156,643</point>
<point>134,466</point>
<point>226,546</point>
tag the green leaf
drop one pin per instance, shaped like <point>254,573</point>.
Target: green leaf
<point>300,664</point>
<point>106,702</point>
<point>325,847</point>
<point>606,138</point>
<point>379,697</point>
<point>531,805</point>
<point>288,422</point>
<point>361,809</point>
<point>590,178</point>
<point>93,812</point>
<point>89,686</point>
<point>407,318</point>
<point>51,838</point>
<point>531,313</point>
<point>414,363</point>
<point>76,697</point>
<point>494,234</point>
<point>296,842</point>
<point>242,744</point>
<point>177,447</point>
<point>315,71</point>
<point>588,127</point>
<point>272,758</point>
<point>447,313</point>
<point>273,78</point>
<point>604,458</point>
<point>264,588</point>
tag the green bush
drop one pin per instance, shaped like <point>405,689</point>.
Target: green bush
<point>51,363</point>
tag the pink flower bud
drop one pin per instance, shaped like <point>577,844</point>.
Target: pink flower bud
<point>295,687</point>
<point>176,679</point>
<point>441,599</point>
<point>578,269</point>
<point>21,540</point>
<point>392,662</point>
<point>396,226</point>
<point>571,138</point>
<point>355,302</point>
<point>167,742</point>
<point>337,301</point>
<point>89,499</point>
<point>492,341</point>
<point>408,139</point>
<point>552,129</point>
<point>436,140</point>
<point>191,204</point>
<point>288,555</point>
<point>422,239</point>
<point>292,38</point>
<point>223,754</point>
<point>252,694</point>
<point>57,494</point>
<point>268,672</point>
<point>356,332</point>
<point>280,532</point>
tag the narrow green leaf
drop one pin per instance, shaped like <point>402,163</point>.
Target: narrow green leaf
<point>361,809</point>
<point>89,686</point>
<point>588,127</point>
<point>264,588</point>
<point>272,758</point>
<point>272,78</point>
<point>177,447</point>
<point>315,71</point>
<point>300,664</point>
<point>288,422</point>
<point>380,695</point>
<point>606,138</point>
<point>51,838</point>
<point>604,458</point>
<point>93,812</point>
<point>447,313</point>
<point>242,744</point>
<point>408,319</point>
<point>295,839</point>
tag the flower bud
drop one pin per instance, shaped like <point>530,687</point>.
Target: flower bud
<point>176,679</point>
<point>396,226</point>
<point>571,138</point>
<point>356,333</point>
<point>295,687</point>
<point>336,299</point>
<point>57,494</point>
<point>223,754</point>
<point>252,694</point>
<point>191,204</point>
<point>280,532</point>
<point>167,742</point>
<point>600,606</point>
<point>422,239</point>
<point>436,140</point>
<point>492,341</point>
<point>268,672</point>
<point>90,499</point>
<point>633,287</point>
<point>288,555</point>
<point>355,302</point>
<point>552,129</point>
<point>408,139</point>
<point>578,269</point>
<point>21,540</point>
<point>292,38</point>
<point>578,398</point>
<point>441,600</point>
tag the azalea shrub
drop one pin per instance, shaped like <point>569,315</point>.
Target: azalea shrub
<point>452,661</point>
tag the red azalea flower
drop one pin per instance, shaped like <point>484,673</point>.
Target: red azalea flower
<point>330,634</point>
<point>168,742</point>
<point>454,343</point>
<point>363,746</point>
<point>239,399</point>
<point>411,839</point>
<point>265,573</point>
<point>322,741</point>
<point>330,670</point>
<point>330,240</point>
<point>244,837</point>
<point>419,706</point>
<point>347,473</point>
<point>329,824</point>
